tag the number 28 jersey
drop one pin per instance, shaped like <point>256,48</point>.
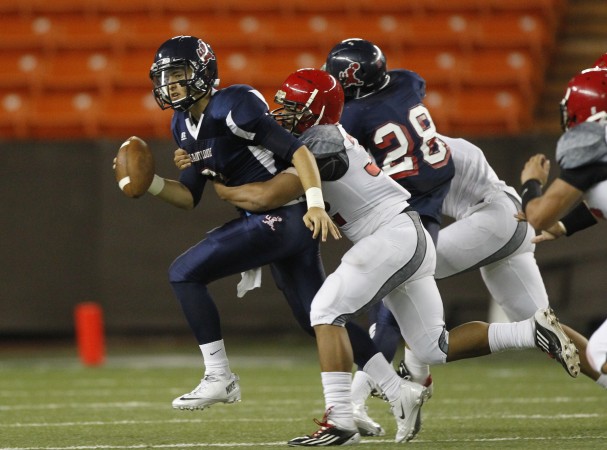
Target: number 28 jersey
<point>396,127</point>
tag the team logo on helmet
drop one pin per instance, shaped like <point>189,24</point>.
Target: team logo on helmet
<point>348,76</point>
<point>204,52</point>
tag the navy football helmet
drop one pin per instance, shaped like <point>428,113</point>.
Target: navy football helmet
<point>585,99</point>
<point>308,97</point>
<point>359,65</point>
<point>187,61</point>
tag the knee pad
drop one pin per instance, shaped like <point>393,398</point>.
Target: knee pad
<point>432,348</point>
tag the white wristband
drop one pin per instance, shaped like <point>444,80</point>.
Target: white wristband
<point>157,185</point>
<point>314,198</point>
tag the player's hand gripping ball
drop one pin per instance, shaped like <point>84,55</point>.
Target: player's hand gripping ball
<point>134,167</point>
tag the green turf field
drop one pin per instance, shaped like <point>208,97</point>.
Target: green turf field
<point>48,400</point>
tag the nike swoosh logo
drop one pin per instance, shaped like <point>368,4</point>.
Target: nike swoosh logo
<point>216,351</point>
<point>402,415</point>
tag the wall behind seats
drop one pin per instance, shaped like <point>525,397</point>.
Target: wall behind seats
<point>69,235</point>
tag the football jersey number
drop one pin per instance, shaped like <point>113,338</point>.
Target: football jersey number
<point>401,160</point>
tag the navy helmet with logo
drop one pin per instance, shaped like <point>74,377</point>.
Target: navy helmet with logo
<point>359,65</point>
<point>187,61</point>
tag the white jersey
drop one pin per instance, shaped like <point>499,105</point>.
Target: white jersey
<point>474,181</point>
<point>486,235</point>
<point>392,257</point>
<point>364,198</point>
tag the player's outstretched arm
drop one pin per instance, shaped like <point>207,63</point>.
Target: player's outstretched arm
<point>316,219</point>
<point>263,196</point>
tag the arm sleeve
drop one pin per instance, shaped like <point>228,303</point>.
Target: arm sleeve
<point>583,178</point>
<point>194,182</point>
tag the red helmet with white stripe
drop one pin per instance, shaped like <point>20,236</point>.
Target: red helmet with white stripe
<point>308,97</point>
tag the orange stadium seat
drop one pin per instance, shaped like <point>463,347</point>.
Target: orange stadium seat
<point>128,112</point>
<point>98,32</point>
<point>502,69</point>
<point>61,115</point>
<point>13,111</point>
<point>440,68</point>
<point>455,6</point>
<point>131,69</point>
<point>444,30</point>
<point>19,70</point>
<point>270,68</point>
<point>131,7</point>
<point>390,32</point>
<point>253,7</point>
<point>62,7</point>
<point>489,112</point>
<point>390,7</point>
<point>313,31</point>
<point>515,31</point>
<point>551,10</point>
<point>231,31</point>
<point>323,6</point>
<point>24,33</point>
<point>76,70</point>
<point>150,32</point>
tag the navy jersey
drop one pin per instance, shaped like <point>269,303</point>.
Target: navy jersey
<point>236,139</point>
<point>396,127</point>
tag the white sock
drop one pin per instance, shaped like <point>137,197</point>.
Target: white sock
<point>362,385</point>
<point>602,381</point>
<point>338,398</point>
<point>509,336</point>
<point>215,358</point>
<point>384,375</point>
<point>419,371</point>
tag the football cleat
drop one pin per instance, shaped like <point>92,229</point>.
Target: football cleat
<point>551,339</point>
<point>404,373</point>
<point>212,389</point>
<point>366,425</point>
<point>406,409</point>
<point>327,435</point>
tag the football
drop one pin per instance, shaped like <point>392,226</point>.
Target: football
<point>134,167</point>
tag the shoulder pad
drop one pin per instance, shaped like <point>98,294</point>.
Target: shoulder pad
<point>323,140</point>
<point>582,145</point>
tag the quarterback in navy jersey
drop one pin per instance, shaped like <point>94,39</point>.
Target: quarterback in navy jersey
<point>579,195</point>
<point>228,134</point>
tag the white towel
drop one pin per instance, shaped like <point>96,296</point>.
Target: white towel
<point>251,279</point>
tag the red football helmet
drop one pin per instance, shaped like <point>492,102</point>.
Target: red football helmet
<point>308,97</point>
<point>585,99</point>
<point>601,62</point>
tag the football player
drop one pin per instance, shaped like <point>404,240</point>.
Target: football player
<point>578,197</point>
<point>228,134</point>
<point>393,258</point>
<point>484,236</point>
<point>384,111</point>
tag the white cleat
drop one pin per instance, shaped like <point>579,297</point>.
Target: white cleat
<point>366,426</point>
<point>551,339</point>
<point>212,389</point>
<point>406,409</point>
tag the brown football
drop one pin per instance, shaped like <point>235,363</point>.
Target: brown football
<point>134,167</point>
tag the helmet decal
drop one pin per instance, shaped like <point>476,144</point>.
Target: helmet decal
<point>348,77</point>
<point>204,52</point>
